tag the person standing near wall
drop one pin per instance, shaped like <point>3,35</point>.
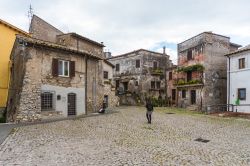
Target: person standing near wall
<point>150,109</point>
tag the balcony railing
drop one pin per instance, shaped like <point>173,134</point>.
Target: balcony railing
<point>156,71</point>
<point>182,82</point>
<point>192,68</point>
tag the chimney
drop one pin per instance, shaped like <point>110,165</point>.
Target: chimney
<point>164,50</point>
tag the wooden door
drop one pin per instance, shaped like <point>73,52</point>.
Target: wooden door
<point>193,97</point>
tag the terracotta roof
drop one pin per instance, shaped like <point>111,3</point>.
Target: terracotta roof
<point>113,57</point>
<point>56,46</point>
<point>13,27</point>
<point>246,48</point>
<point>83,38</point>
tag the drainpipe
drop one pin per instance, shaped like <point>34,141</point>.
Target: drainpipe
<point>165,77</point>
<point>229,79</point>
<point>86,85</point>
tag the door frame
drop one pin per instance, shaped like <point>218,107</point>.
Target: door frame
<point>193,97</point>
<point>68,104</point>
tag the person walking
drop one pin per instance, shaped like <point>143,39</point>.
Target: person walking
<point>150,109</point>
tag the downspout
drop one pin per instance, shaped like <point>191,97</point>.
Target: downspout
<point>229,79</point>
<point>165,77</point>
<point>86,85</point>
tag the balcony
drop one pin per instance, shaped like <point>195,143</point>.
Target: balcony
<point>193,82</point>
<point>156,71</point>
<point>192,68</point>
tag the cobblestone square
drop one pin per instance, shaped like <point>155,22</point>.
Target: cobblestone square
<point>124,138</point>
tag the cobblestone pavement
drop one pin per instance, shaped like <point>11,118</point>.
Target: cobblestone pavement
<point>124,138</point>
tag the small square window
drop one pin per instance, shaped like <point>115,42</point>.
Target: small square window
<point>63,68</point>
<point>117,67</point>
<point>242,64</point>
<point>138,63</point>
<point>155,64</point>
<point>136,83</point>
<point>189,55</point>
<point>152,84</point>
<point>47,101</point>
<point>105,75</point>
<point>183,92</point>
<point>158,84</point>
<point>170,75</point>
<point>242,93</point>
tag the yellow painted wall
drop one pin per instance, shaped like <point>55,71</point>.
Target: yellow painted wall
<point>7,39</point>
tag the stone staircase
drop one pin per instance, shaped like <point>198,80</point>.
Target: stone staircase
<point>192,108</point>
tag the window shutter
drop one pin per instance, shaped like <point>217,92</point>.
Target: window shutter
<point>55,67</point>
<point>72,69</point>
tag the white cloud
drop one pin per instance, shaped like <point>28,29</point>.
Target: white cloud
<point>124,26</point>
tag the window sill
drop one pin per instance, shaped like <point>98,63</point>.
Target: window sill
<point>63,76</point>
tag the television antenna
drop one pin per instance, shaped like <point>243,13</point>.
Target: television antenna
<point>30,14</point>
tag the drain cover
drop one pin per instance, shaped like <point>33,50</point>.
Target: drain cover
<point>170,113</point>
<point>202,140</point>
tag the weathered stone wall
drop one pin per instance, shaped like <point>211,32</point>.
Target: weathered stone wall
<point>16,81</point>
<point>35,66</point>
<point>71,41</point>
<point>26,100</point>
<point>207,49</point>
<point>113,100</point>
<point>109,85</point>
<point>42,30</point>
<point>94,86</point>
<point>142,75</point>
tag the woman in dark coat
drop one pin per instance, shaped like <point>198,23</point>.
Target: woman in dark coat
<point>150,109</point>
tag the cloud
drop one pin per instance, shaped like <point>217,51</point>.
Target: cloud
<point>124,26</point>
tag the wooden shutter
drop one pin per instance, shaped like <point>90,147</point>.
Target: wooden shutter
<point>55,67</point>
<point>72,69</point>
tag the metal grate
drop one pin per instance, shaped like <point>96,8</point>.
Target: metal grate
<point>47,101</point>
<point>202,140</point>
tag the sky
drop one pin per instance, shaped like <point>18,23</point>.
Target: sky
<point>127,25</point>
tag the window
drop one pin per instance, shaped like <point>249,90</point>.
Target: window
<point>47,101</point>
<point>138,63</point>
<point>189,55</point>
<point>183,94</point>
<point>155,65</point>
<point>242,63</point>
<point>117,67</point>
<point>170,75</point>
<point>136,83</point>
<point>117,84</point>
<point>158,84</point>
<point>105,74</point>
<point>125,84</point>
<point>63,68</point>
<point>152,84</point>
<point>242,93</point>
<point>189,76</point>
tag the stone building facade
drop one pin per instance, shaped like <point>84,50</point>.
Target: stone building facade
<point>110,97</point>
<point>201,73</point>
<point>140,74</point>
<point>171,76</point>
<point>54,74</point>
